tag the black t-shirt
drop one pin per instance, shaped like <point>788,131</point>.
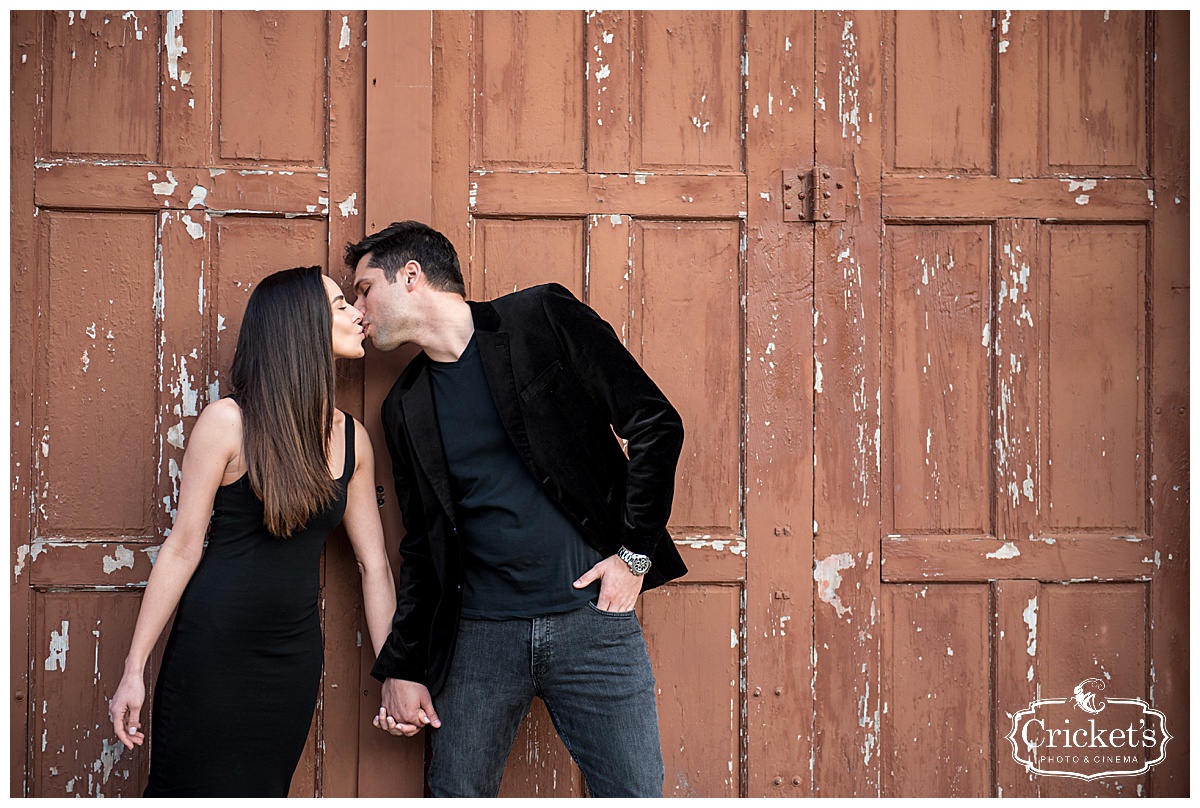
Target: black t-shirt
<point>520,554</point>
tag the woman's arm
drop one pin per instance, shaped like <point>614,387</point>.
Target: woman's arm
<point>366,538</point>
<point>215,441</point>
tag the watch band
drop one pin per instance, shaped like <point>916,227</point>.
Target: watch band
<point>638,564</point>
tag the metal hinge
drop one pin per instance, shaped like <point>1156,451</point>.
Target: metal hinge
<point>814,195</point>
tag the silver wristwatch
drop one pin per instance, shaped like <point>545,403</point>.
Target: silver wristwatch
<point>638,564</point>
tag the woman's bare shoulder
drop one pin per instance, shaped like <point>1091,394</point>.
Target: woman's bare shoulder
<point>219,424</point>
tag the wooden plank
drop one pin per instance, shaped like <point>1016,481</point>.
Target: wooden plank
<point>1170,618</point>
<point>1094,630</point>
<point>399,109</point>
<point>1015,677</point>
<point>269,88</point>
<point>779,398</point>
<point>940,70</point>
<point>1075,199</point>
<point>74,751</point>
<point>712,557</point>
<point>343,707</point>
<point>934,404</point>
<point>650,195</point>
<point>694,638</point>
<point>1016,365</point>
<point>687,281</point>
<point>512,255</point>
<point>1093,386</point>
<point>846,506</point>
<point>78,186</point>
<point>610,269</point>
<point>529,89</point>
<point>1020,126</point>
<point>608,72</point>
<point>107,564</point>
<point>686,83</point>
<point>101,86</point>
<point>25,66</point>
<point>185,87</point>
<point>451,155</point>
<point>935,733</point>
<point>1058,558</point>
<point>99,354</point>
<point>1096,81</point>
<point>183,309</point>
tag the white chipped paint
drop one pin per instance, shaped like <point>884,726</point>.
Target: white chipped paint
<point>787,43</point>
<point>344,38</point>
<point>196,231</point>
<point>46,441</point>
<point>1030,615</point>
<point>86,360</point>
<point>215,172</point>
<point>819,377</point>
<point>848,77</point>
<point>165,188</point>
<point>987,334</point>
<point>137,32</point>
<point>109,755</point>
<point>615,219</point>
<point>701,125</point>
<point>1003,46</point>
<point>765,196</point>
<point>220,323</point>
<point>735,546</point>
<point>122,558</point>
<point>755,111</point>
<point>175,435</point>
<point>174,43</point>
<point>59,643</point>
<point>199,194</point>
<point>733,638</point>
<point>1079,185</point>
<point>189,396</point>
<point>347,207</point>
<point>608,37</point>
<point>827,574</point>
<point>603,73</point>
<point>1008,550</point>
<point>639,177</point>
<point>1082,199</point>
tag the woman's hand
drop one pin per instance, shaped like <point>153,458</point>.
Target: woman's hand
<point>125,709</point>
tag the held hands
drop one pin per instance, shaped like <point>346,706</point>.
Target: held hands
<point>619,588</point>
<point>406,708</point>
<point>125,710</point>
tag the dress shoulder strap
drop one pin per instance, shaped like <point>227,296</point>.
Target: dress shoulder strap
<point>348,470</point>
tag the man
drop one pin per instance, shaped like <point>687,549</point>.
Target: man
<point>529,534</point>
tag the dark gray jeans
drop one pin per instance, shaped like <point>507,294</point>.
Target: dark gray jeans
<point>592,671</point>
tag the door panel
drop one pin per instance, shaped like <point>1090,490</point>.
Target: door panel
<point>150,217</point>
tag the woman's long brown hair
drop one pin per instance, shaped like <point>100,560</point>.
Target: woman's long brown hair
<point>282,378</point>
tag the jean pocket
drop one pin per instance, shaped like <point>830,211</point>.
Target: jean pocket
<point>592,605</point>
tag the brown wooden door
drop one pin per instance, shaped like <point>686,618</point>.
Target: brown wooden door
<point>635,158</point>
<point>161,163</point>
<point>1000,342</point>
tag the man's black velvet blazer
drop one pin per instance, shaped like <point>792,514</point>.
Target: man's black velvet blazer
<point>563,384</point>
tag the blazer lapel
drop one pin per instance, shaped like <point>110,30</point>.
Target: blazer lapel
<point>420,418</point>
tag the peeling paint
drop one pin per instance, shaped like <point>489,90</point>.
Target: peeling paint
<point>174,42</point>
<point>59,643</point>
<point>195,230</point>
<point>122,558</point>
<point>1009,550</point>
<point>166,188</point>
<point>827,574</point>
<point>344,38</point>
<point>347,206</point>
<point>199,193</point>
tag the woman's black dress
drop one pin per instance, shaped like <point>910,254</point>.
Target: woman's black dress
<point>242,667</point>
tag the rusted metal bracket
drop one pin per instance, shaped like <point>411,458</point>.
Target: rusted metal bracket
<point>814,195</point>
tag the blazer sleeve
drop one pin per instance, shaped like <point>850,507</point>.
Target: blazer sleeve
<point>637,410</point>
<point>404,655</point>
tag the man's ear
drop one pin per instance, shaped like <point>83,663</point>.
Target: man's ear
<point>411,273</point>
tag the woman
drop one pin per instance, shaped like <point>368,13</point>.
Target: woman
<point>276,467</point>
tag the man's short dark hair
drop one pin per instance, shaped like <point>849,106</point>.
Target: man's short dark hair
<point>401,242</point>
